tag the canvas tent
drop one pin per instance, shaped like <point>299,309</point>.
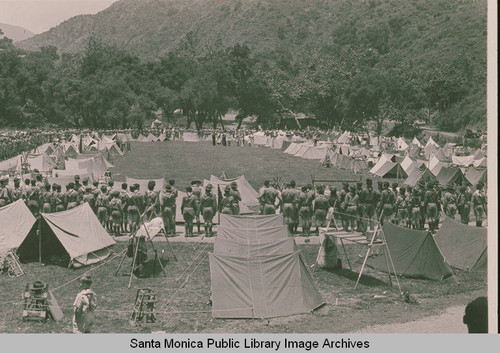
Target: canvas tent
<point>414,254</point>
<point>391,170</point>
<point>16,220</point>
<point>474,175</point>
<point>451,175</point>
<point>261,276</point>
<point>42,162</point>
<point>464,247</point>
<point>419,174</point>
<point>75,234</point>
<point>142,138</point>
<point>249,197</point>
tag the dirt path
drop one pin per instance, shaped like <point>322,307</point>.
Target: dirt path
<point>448,322</point>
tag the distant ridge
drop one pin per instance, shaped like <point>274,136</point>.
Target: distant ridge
<point>15,33</point>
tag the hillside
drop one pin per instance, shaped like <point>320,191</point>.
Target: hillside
<point>420,40</point>
<point>15,33</point>
<point>422,29</point>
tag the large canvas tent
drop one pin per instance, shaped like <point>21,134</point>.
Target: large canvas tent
<point>75,235</point>
<point>413,252</point>
<point>262,276</point>
<point>419,174</point>
<point>464,247</point>
<point>391,170</point>
<point>16,220</point>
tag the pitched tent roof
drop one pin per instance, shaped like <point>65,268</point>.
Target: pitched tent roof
<point>463,161</point>
<point>142,138</point>
<point>449,175</point>
<point>483,162</point>
<point>11,164</point>
<point>16,220</point>
<point>260,276</point>
<point>383,159</point>
<point>75,234</point>
<point>413,151</point>
<point>401,144</point>
<point>152,138</point>
<point>479,154</point>
<point>430,141</point>
<point>413,252</point>
<point>357,165</point>
<point>464,247</point>
<point>249,197</point>
<point>474,175</point>
<point>417,175</point>
<point>162,137</point>
<point>115,150</point>
<point>416,142</point>
<point>71,151</point>
<point>391,170</point>
<point>315,153</point>
<point>42,162</point>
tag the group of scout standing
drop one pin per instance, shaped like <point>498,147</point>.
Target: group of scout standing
<point>358,207</point>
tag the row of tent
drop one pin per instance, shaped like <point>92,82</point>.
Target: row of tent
<point>75,234</point>
<point>415,171</point>
<point>417,254</point>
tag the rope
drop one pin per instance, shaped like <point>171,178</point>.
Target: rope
<point>187,279</point>
<point>92,269</point>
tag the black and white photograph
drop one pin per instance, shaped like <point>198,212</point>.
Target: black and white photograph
<point>247,167</point>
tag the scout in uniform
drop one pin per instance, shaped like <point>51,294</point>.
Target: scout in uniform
<point>227,201</point>
<point>4,192</point>
<point>235,205</point>
<point>305,201</point>
<point>386,204</point>
<point>17,192</point>
<point>351,208</point>
<point>72,197</point>
<point>208,208</point>
<point>288,197</point>
<point>402,208</point>
<point>463,204</point>
<point>171,182</point>
<point>133,208</point>
<point>450,202</point>
<point>123,197</point>
<point>115,208</point>
<point>187,208</point>
<point>84,306</point>
<point>343,214</point>
<point>321,205</point>
<point>46,199</point>
<point>151,200</point>
<point>479,204</point>
<point>269,197</point>
<point>167,203</point>
<point>59,198</point>
<point>102,204</point>
<point>414,203</point>
<point>431,207</point>
<point>195,185</point>
<point>33,195</point>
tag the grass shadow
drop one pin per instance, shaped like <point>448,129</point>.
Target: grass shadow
<point>365,279</point>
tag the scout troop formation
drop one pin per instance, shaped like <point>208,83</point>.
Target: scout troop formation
<point>355,206</point>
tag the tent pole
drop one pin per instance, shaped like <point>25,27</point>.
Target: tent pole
<point>366,256</point>
<point>40,240</point>
<point>133,262</point>
<point>392,263</point>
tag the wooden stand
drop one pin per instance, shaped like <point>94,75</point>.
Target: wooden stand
<point>370,243</point>
<point>144,306</point>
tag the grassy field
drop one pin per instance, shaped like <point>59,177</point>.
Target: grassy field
<point>184,292</point>
<point>185,161</point>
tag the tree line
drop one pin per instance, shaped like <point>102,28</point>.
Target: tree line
<point>106,87</point>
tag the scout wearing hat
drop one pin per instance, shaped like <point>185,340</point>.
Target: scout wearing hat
<point>464,199</point>
<point>188,211</point>
<point>196,186</point>
<point>288,199</point>
<point>479,204</point>
<point>386,203</point>
<point>84,306</point>
<point>304,205</point>
<point>151,200</point>
<point>321,205</point>
<point>227,201</point>
<point>235,205</point>
<point>343,214</point>
<point>208,207</point>
<point>167,205</point>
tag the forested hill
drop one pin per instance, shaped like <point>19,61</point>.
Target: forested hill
<point>413,29</point>
<point>438,47</point>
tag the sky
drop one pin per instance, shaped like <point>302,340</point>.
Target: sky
<point>40,15</point>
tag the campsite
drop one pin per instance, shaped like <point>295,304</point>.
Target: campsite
<point>184,293</point>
